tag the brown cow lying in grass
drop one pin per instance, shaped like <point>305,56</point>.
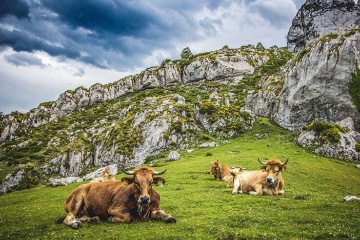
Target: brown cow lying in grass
<point>105,176</point>
<point>266,182</point>
<point>222,172</point>
<point>115,202</point>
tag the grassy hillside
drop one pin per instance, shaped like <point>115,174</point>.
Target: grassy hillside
<point>311,208</point>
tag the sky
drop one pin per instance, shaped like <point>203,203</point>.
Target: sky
<point>50,46</point>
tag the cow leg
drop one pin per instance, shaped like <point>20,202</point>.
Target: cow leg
<point>237,186</point>
<point>267,191</point>
<point>160,214</point>
<point>72,207</point>
<point>85,218</point>
<point>72,221</point>
<point>258,190</point>
<point>119,215</point>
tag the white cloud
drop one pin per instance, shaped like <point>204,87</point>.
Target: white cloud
<point>24,87</point>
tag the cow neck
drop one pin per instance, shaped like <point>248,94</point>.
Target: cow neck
<point>274,185</point>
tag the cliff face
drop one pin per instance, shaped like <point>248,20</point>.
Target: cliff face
<point>317,18</point>
<point>317,83</point>
<point>326,38</point>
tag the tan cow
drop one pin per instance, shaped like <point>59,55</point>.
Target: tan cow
<point>115,202</point>
<point>266,182</point>
<point>222,172</point>
<point>105,176</point>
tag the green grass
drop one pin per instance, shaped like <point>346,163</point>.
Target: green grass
<point>311,208</point>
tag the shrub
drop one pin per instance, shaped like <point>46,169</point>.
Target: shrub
<point>354,87</point>
<point>326,132</point>
<point>357,146</point>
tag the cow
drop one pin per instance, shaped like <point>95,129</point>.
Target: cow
<point>222,172</point>
<point>269,181</point>
<point>116,202</point>
<point>105,176</point>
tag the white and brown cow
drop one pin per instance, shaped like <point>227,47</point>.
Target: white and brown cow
<point>222,172</point>
<point>116,202</point>
<point>268,181</point>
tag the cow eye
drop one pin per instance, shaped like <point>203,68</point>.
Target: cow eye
<point>136,183</point>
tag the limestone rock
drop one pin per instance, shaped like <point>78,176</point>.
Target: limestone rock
<point>344,149</point>
<point>317,18</point>
<point>63,181</point>
<point>186,53</point>
<point>316,85</point>
<point>173,156</point>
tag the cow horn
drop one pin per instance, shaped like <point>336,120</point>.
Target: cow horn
<point>159,173</point>
<point>261,162</point>
<point>284,162</point>
<point>128,172</point>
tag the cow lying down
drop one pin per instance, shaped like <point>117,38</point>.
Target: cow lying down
<point>116,202</point>
<point>222,172</point>
<point>266,182</point>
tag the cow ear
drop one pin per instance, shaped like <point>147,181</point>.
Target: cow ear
<point>263,167</point>
<point>127,180</point>
<point>282,168</point>
<point>159,181</point>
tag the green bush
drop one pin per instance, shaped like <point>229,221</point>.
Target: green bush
<point>326,132</point>
<point>354,87</point>
<point>357,146</point>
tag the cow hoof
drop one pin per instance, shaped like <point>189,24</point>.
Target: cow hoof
<point>76,224</point>
<point>170,220</point>
<point>95,220</point>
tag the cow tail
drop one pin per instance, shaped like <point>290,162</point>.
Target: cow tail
<point>60,220</point>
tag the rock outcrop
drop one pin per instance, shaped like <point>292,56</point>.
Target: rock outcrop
<point>317,18</point>
<point>317,83</point>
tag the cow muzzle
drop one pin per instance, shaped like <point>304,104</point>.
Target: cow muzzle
<point>270,180</point>
<point>144,200</point>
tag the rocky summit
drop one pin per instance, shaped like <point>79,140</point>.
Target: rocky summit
<point>317,18</point>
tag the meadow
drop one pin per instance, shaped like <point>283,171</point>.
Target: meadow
<point>312,207</point>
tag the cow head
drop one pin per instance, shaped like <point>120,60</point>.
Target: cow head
<point>215,169</point>
<point>106,174</point>
<point>274,168</point>
<point>143,178</point>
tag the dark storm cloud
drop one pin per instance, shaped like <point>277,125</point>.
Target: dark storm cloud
<point>22,41</point>
<point>16,8</point>
<point>106,34</point>
<point>111,34</point>
<point>23,59</point>
<point>120,17</point>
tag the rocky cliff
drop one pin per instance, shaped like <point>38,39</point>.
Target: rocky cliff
<point>317,18</point>
<point>326,38</point>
